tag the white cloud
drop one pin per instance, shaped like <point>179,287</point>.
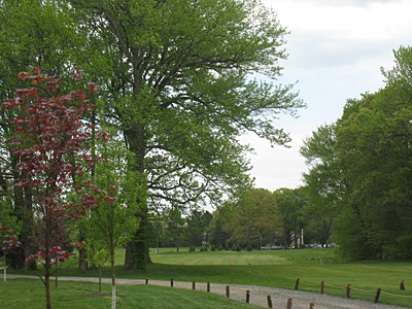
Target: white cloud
<point>378,21</point>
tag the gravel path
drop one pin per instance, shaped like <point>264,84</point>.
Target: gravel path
<point>258,294</point>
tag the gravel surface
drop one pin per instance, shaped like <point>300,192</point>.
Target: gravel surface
<point>258,294</point>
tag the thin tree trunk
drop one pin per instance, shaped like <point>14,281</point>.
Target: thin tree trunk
<point>100,279</point>
<point>5,267</point>
<point>113,279</point>
<point>47,282</point>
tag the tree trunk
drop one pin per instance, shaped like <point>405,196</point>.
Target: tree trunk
<point>137,251</point>
<point>23,205</point>
<point>83,265</point>
<point>113,270</point>
<point>47,282</point>
<point>100,279</point>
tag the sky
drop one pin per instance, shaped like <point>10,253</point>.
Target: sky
<point>336,51</point>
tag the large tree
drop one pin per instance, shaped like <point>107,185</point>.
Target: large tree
<point>180,79</point>
<point>373,156</point>
<point>290,204</point>
<point>324,182</point>
<point>255,222</point>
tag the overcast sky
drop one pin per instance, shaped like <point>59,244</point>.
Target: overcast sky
<point>336,49</point>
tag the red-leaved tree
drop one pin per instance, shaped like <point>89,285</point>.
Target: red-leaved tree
<point>51,139</point>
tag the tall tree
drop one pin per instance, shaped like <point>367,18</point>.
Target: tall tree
<point>218,234</point>
<point>374,143</point>
<point>255,222</point>
<point>290,204</point>
<point>197,223</point>
<point>179,79</point>
<point>324,182</point>
<point>175,222</point>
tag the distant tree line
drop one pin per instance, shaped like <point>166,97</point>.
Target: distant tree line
<point>259,219</point>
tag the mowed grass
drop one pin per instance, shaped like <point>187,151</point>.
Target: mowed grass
<point>278,268</point>
<point>281,268</point>
<point>29,293</point>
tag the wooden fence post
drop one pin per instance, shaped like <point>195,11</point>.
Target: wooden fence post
<point>208,287</point>
<point>311,306</point>
<point>247,296</point>
<point>402,286</point>
<point>270,305</point>
<point>289,304</point>
<point>376,299</point>
<point>193,285</point>
<point>227,291</point>
<point>297,284</point>
<point>348,291</point>
<point>322,287</point>
<point>171,282</point>
<point>147,281</point>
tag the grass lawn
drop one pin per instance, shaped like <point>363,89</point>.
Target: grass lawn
<point>281,268</point>
<point>29,293</point>
<point>278,268</point>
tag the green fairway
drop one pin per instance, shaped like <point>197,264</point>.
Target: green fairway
<point>29,293</point>
<point>281,268</point>
<point>257,257</point>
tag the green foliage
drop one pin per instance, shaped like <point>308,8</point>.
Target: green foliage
<point>253,221</point>
<point>290,203</point>
<point>113,221</point>
<point>324,183</point>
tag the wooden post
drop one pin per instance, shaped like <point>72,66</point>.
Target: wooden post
<point>311,306</point>
<point>247,296</point>
<point>171,283</point>
<point>270,305</point>
<point>227,291</point>
<point>193,285</point>
<point>208,287</point>
<point>348,291</point>
<point>402,286</point>
<point>322,287</point>
<point>289,304</point>
<point>147,281</point>
<point>297,284</point>
<point>376,299</point>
